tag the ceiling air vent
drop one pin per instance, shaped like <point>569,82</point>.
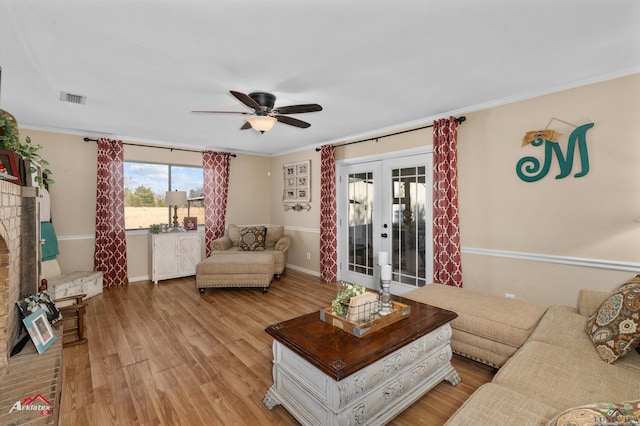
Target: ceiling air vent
<point>74,99</point>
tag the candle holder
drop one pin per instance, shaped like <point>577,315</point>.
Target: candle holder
<point>385,298</point>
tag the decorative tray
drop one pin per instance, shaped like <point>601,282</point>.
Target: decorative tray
<point>373,322</point>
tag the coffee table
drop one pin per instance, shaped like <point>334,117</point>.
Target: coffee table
<point>325,376</point>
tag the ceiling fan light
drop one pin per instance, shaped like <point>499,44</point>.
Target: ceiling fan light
<point>261,123</point>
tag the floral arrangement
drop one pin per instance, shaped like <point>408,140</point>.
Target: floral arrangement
<point>340,304</point>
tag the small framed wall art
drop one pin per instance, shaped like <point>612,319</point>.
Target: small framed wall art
<point>9,166</point>
<point>296,182</point>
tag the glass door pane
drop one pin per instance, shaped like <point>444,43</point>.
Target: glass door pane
<point>360,221</point>
<point>410,241</point>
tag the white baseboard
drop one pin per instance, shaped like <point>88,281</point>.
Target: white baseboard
<point>297,268</point>
<point>306,271</point>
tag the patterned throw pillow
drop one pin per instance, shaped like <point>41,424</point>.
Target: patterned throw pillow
<point>632,282</point>
<point>614,328</point>
<point>252,238</point>
<point>609,413</point>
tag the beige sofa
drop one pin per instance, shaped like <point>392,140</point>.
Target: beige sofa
<point>276,244</point>
<point>554,376</point>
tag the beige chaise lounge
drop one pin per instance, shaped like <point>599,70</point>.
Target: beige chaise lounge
<point>247,256</point>
<point>277,244</point>
<point>557,374</point>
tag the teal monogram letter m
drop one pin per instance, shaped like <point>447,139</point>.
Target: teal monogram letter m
<point>530,170</point>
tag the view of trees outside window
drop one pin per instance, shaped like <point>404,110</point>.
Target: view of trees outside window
<point>145,188</point>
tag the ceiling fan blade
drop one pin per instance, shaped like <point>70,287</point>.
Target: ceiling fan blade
<point>246,126</point>
<point>221,112</point>
<point>298,109</point>
<point>245,99</point>
<point>292,121</point>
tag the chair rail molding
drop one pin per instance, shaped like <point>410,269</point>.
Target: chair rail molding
<point>299,229</point>
<point>549,258</point>
<point>76,237</point>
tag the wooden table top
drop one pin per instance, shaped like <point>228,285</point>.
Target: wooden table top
<point>340,354</point>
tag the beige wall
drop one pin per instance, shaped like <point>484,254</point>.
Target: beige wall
<point>73,196</point>
<point>587,218</point>
<point>303,226</point>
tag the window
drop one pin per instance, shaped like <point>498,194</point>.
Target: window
<point>145,188</point>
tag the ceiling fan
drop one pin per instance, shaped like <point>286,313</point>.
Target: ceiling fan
<point>264,115</point>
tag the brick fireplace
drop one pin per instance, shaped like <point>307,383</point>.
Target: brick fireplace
<point>10,263</point>
<point>27,376</point>
<point>18,257</point>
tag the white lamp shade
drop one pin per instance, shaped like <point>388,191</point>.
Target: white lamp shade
<point>176,198</point>
<point>262,123</point>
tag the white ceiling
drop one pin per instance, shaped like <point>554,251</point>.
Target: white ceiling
<point>372,64</point>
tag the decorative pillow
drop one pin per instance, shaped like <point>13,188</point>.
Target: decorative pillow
<point>589,300</point>
<point>606,413</point>
<point>633,281</point>
<point>252,238</point>
<point>273,235</point>
<point>234,233</point>
<point>614,328</point>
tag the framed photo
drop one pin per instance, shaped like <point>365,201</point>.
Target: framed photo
<point>9,165</point>
<point>296,183</point>
<point>190,223</point>
<point>40,301</point>
<point>289,182</point>
<point>40,330</point>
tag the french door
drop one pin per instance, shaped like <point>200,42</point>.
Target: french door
<point>385,206</point>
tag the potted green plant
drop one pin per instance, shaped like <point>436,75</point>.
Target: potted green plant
<point>27,151</point>
<point>9,135</point>
<point>155,228</point>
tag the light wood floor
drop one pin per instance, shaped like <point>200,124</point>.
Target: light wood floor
<point>164,355</point>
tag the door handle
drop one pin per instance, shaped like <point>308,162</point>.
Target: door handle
<point>384,235</point>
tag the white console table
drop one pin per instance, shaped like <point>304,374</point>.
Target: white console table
<point>174,254</point>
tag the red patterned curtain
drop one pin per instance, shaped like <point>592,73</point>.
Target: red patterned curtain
<point>446,229</point>
<point>110,254</point>
<point>328,216</point>
<point>215,170</point>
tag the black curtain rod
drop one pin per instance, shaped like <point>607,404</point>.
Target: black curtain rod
<point>459,120</point>
<point>154,146</point>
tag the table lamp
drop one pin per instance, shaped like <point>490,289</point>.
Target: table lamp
<point>175,199</point>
